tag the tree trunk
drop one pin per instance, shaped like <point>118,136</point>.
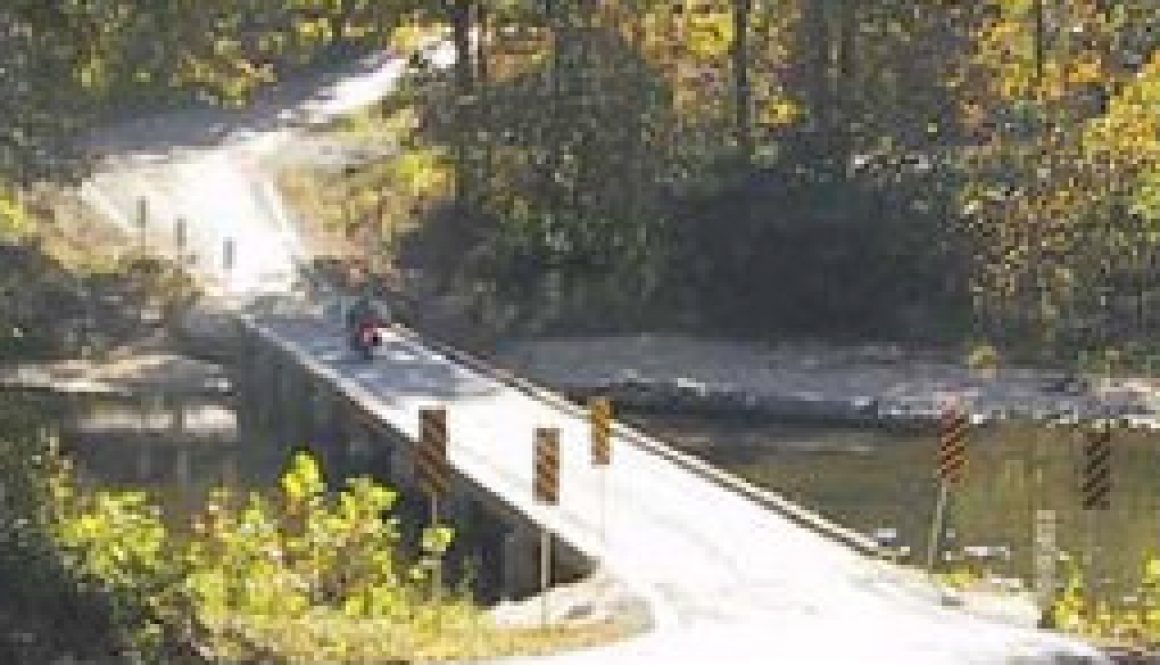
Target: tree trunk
<point>481,18</point>
<point>483,115</point>
<point>460,19</point>
<point>742,94</point>
<point>816,46</point>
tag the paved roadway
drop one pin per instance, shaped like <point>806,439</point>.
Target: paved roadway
<point>728,579</point>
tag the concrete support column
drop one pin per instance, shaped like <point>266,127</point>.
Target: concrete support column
<point>177,421</point>
<point>457,510</point>
<point>372,453</point>
<point>323,430</point>
<point>144,462</point>
<point>357,454</point>
<point>402,466</point>
<point>292,409</point>
<point>265,389</point>
<point>306,394</point>
<point>519,562</point>
<point>183,470</point>
<point>229,472</point>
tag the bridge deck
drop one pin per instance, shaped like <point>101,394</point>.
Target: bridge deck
<point>731,575</point>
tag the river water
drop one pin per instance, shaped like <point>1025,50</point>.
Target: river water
<point>865,478</point>
<point>883,478</point>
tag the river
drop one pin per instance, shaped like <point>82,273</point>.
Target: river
<point>867,478</point>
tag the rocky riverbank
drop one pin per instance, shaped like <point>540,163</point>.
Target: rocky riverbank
<point>866,384</point>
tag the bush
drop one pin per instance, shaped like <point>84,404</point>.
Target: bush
<point>297,574</point>
<point>49,608</point>
<point>251,565</point>
<point>983,357</point>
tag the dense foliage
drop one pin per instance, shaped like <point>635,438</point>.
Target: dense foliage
<point>254,578</point>
<point>895,168</point>
<point>899,168</point>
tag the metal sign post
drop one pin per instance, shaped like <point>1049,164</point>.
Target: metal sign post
<point>143,221</point>
<point>600,410</point>
<point>1045,560</point>
<point>229,254</point>
<point>1095,488</point>
<point>180,239</point>
<point>434,471</point>
<point>952,461</point>
<point>546,488</point>
<point>1096,483</point>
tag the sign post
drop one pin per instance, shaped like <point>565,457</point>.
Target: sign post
<point>600,410</point>
<point>181,239</point>
<point>1045,561</point>
<point>434,471</point>
<point>952,461</point>
<point>546,488</point>
<point>1095,488</point>
<point>229,254</point>
<point>143,221</point>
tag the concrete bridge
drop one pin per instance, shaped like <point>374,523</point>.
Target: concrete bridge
<point>729,572</point>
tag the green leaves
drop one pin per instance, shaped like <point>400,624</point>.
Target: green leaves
<point>249,560</point>
<point>303,481</point>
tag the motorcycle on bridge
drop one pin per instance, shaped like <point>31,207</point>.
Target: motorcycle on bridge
<point>365,322</point>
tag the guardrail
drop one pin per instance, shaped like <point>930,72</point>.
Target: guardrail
<point>767,499</point>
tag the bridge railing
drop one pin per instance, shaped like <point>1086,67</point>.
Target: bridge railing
<point>770,500</point>
<point>766,498</point>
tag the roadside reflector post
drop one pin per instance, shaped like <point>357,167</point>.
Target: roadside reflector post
<point>229,254</point>
<point>180,236</point>
<point>434,472</point>
<point>143,221</point>
<point>951,464</point>
<point>600,413</point>
<point>1095,487</point>
<point>546,488</point>
<point>1045,562</point>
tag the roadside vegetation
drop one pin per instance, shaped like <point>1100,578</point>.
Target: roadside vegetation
<point>928,173</point>
<point>298,574</point>
<point>983,177</point>
<point>1084,608</point>
<point>971,177</point>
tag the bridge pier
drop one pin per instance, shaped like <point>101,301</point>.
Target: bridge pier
<point>519,561</point>
<point>183,469</point>
<point>144,463</point>
<point>495,547</point>
<point>230,476</point>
